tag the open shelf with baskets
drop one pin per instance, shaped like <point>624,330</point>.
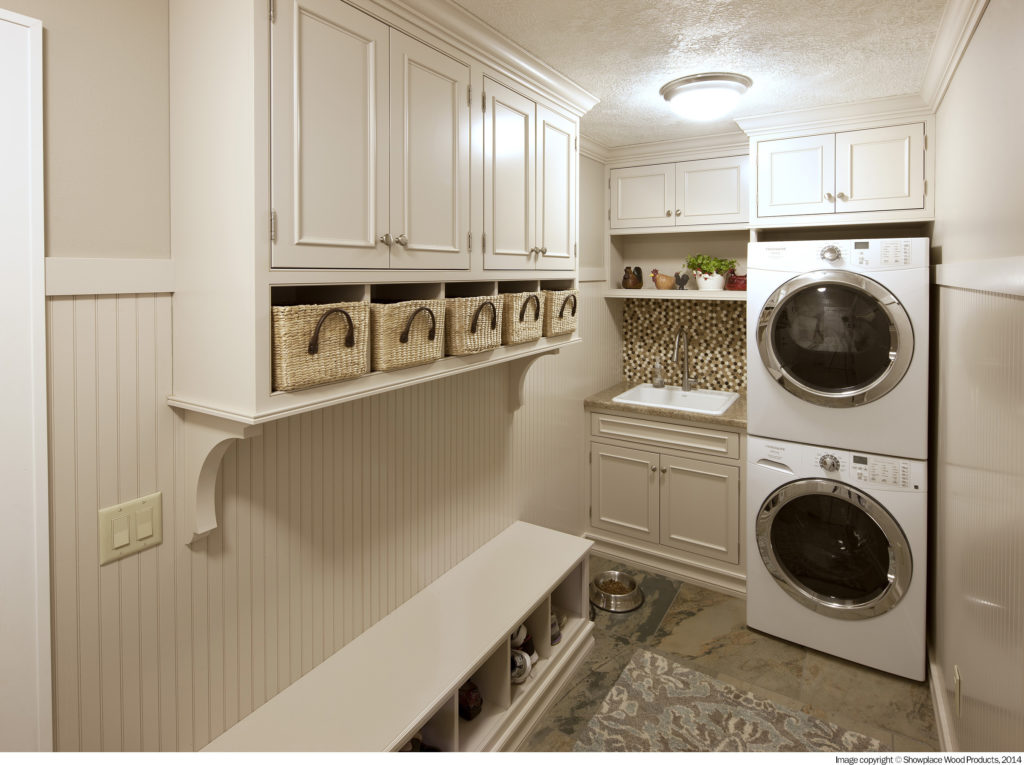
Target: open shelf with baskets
<point>461,623</point>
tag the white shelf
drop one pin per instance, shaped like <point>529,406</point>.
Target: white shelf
<point>374,693</point>
<point>646,294</point>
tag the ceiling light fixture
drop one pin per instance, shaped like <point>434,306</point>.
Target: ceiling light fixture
<point>707,96</point>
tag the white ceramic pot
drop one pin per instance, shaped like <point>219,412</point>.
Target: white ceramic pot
<point>709,281</point>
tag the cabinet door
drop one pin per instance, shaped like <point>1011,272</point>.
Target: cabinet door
<point>712,191</point>
<point>509,178</point>
<point>329,136</point>
<point>643,197</point>
<point>880,169</point>
<point>556,189</point>
<point>624,491</point>
<point>429,157</point>
<point>796,176</point>
<point>700,508</point>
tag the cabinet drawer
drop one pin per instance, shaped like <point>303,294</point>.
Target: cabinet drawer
<point>671,435</point>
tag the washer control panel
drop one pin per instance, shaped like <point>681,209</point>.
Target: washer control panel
<point>882,471</point>
<point>853,254</point>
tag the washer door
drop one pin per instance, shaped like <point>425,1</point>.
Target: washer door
<point>835,338</point>
<point>834,549</point>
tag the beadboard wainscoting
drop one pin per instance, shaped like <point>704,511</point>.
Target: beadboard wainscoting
<point>328,520</point>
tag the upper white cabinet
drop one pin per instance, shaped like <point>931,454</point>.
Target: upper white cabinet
<point>370,159</point>
<point>876,170</point>
<point>703,192</point>
<point>530,183</point>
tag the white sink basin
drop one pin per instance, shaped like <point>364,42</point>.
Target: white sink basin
<point>674,397</point>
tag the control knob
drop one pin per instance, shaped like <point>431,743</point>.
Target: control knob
<point>829,463</point>
<point>831,253</point>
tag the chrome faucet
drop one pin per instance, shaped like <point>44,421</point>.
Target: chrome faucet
<point>688,382</point>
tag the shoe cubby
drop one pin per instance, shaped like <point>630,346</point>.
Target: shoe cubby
<point>342,705</point>
<point>396,293</point>
<point>318,294</point>
<point>571,599</point>
<point>470,289</point>
<point>511,288</point>
<point>557,285</point>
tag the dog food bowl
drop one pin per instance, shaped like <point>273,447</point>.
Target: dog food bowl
<point>616,591</point>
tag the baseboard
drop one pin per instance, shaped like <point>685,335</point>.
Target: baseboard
<point>943,714</point>
<point>703,576</point>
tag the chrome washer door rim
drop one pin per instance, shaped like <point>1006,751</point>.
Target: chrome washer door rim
<point>901,565</point>
<point>901,339</point>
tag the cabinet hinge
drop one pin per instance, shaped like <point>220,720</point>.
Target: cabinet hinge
<point>926,142</point>
<point>483,243</point>
<point>590,458</point>
<point>576,143</point>
<point>609,215</point>
<point>483,102</point>
<point>273,226</point>
<point>273,10</point>
<point>469,241</point>
<point>926,188</point>
<point>469,95</point>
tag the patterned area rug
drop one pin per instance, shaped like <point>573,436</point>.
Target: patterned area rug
<point>657,705</point>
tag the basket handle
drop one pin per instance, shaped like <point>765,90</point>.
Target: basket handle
<point>476,316</point>
<point>404,337</point>
<point>536,308</point>
<point>350,338</point>
<point>561,313</point>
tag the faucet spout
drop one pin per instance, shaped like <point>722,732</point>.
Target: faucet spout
<point>688,382</point>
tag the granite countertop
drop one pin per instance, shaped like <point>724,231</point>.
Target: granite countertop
<point>734,417</point>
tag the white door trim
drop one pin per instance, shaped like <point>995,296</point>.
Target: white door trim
<point>26,706</point>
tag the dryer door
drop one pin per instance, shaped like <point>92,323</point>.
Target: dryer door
<point>835,338</point>
<point>834,549</point>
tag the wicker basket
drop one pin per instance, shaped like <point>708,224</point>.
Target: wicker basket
<point>521,320</point>
<point>560,311</point>
<point>472,324</point>
<point>317,344</point>
<point>406,334</point>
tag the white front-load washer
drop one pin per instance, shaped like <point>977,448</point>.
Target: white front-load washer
<point>837,343</point>
<point>837,555</point>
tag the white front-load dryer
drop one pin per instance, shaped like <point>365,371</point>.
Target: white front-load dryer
<point>837,343</point>
<point>837,555</point>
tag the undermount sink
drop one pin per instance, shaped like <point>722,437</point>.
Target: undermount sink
<point>674,397</point>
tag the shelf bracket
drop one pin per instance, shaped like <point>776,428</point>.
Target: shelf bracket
<point>204,439</point>
<point>517,370</point>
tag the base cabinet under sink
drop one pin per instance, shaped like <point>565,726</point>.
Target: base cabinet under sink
<point>673,507</point>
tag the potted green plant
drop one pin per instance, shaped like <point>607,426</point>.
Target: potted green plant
<point>710,271</point>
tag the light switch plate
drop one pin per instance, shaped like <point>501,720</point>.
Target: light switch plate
<point>149,509</point>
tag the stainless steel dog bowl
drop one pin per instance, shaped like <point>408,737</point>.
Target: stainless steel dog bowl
<point>630,599</point>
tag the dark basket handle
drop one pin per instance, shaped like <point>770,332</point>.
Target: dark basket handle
<point>476,316</point>
<point>561,313</point>
<point>404,337</point>
<point>350,338</point>
<point>536,308</point>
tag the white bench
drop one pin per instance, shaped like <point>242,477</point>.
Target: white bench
<point>403,674</point>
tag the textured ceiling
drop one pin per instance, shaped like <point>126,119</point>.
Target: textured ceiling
<point>799,53</point>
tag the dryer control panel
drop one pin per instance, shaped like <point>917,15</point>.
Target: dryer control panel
<point>850,254</point>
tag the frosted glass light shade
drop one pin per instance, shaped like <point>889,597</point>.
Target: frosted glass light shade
<point>704,97</point>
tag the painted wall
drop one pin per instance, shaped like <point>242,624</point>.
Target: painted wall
<point>978,384</point>
<point>106,116</point>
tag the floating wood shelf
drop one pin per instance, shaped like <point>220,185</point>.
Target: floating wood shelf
<point>644,294</point>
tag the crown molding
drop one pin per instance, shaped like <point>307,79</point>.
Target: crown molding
<point>680,150</point>
<point>831,118</point>
<point>446,21</point>
<point>591,149</point>
<point>959,20</point>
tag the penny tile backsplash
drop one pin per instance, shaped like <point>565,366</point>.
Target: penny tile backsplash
<point>717,341</point>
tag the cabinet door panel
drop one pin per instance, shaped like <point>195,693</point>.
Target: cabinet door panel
<point>712,191</point>
<point>556,189</point>
<point>643,197</point>
<point>880,169</point>
<point>509,178</point>
<point>429,156</point>
<point>624,491</point>
<point>700,506</point>
<point>329,137</point>
<point>794,175</point>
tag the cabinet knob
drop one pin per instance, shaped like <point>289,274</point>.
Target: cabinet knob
<point>387,239</point>
<point>668,213</point>
<point>842,196</point>
<point>533,250</point>
<point>829,197</point>
<point>678,213</point>
<point>664,470</point>
<point>654,468</point>
<point>543,250</point>
<point>402,239</point>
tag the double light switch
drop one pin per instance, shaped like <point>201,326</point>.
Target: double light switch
<point>130,527</point>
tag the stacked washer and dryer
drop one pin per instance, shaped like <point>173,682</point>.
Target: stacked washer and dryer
<point>837,397</point>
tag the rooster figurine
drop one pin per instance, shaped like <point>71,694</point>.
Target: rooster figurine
<point>663,281</point>
<point>681,280</point>
<point>632,280</point>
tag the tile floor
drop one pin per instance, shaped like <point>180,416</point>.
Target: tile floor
<point>707,631</point>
